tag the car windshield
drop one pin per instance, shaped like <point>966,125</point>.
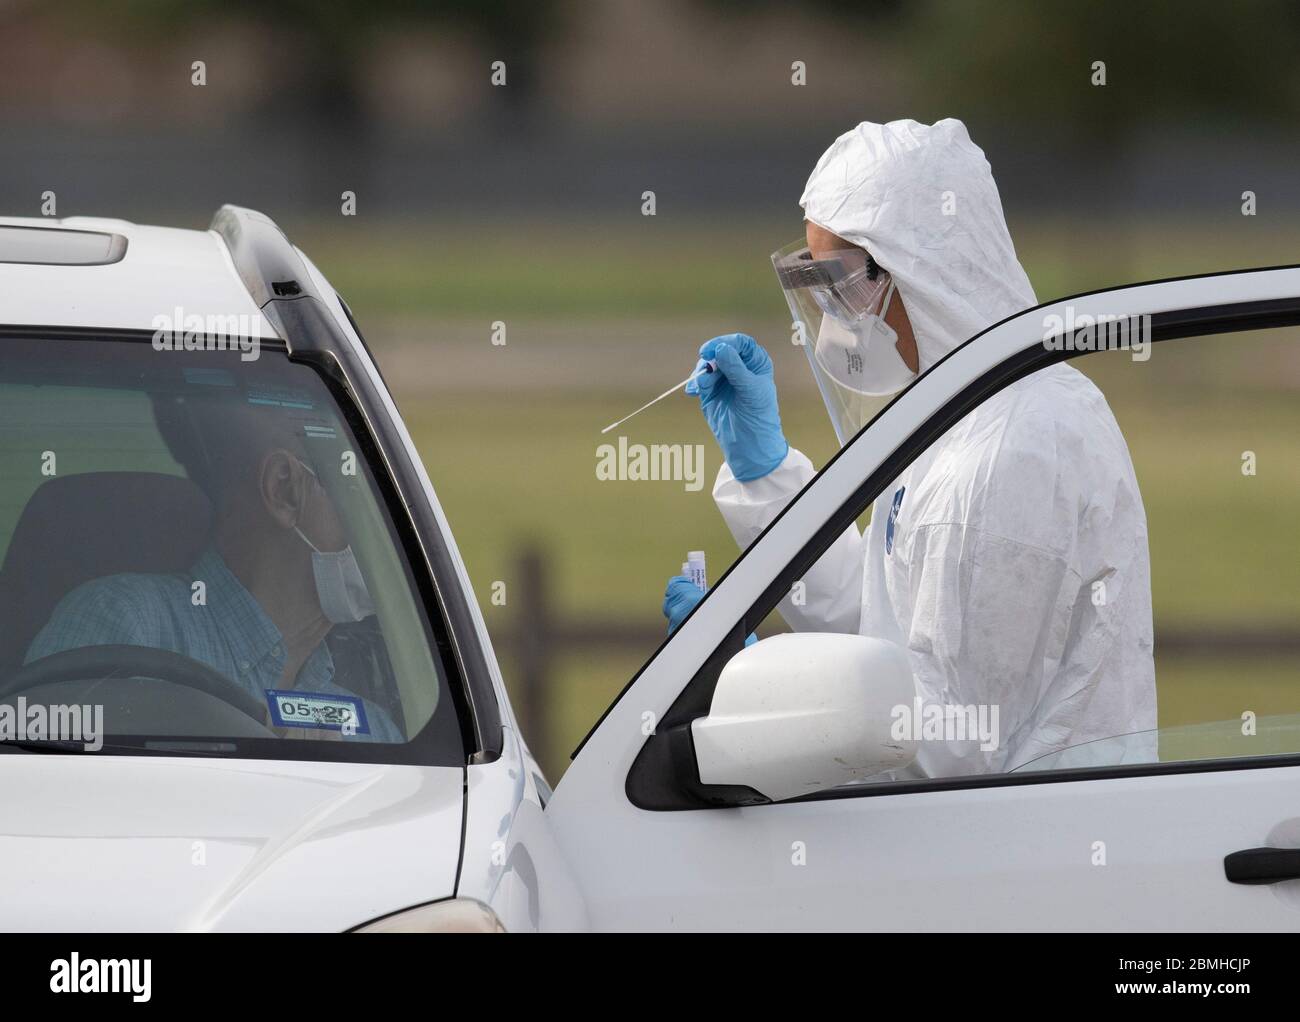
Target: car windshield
<point>198,558</point>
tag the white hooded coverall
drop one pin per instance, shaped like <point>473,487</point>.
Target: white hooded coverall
<point>1016,571</point>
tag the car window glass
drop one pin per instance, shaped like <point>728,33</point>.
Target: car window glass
<point>208,529</point>
<point>1024,606</point>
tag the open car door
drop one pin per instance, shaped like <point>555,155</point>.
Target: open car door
<point>689,805</point>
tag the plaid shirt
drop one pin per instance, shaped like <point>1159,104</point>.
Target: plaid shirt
<point>230,632</point>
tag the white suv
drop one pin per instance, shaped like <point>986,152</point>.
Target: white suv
<point>196,446</point>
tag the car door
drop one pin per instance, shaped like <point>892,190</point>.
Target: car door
<point>1075,841</point>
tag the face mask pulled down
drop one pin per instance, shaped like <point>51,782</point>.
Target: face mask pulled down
<point>340,587</point>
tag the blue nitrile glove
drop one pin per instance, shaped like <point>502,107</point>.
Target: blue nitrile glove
<point>680,599</point>
<point>739,403</point>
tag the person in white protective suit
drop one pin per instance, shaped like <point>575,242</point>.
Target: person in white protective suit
<point>1010,560</point>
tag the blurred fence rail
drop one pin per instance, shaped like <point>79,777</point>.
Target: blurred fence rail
<point>536,640</point>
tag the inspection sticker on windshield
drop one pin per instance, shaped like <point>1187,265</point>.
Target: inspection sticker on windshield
<point>317,710</point>
<point>282,397</point>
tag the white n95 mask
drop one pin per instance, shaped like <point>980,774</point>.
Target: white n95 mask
<point>862,355</point>
<point>340,587</point>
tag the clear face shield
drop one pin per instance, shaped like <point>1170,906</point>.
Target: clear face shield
<point>838,304</point>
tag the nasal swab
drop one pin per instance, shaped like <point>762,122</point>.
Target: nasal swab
<point>708,368</point>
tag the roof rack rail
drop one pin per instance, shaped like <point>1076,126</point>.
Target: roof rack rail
<point>264,258</point>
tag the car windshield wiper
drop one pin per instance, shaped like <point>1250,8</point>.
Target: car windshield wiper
<point>69,747</point>
<point>64,746</point>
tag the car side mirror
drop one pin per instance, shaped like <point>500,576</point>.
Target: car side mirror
<point>799,713</point>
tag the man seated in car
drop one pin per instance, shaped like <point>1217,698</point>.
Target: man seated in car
<point>275,601</point>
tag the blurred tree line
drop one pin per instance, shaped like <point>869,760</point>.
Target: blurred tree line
<point>1003,58</point>
<point>326,41</point>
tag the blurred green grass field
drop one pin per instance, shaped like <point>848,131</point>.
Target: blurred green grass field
<point>603,317</point>
<point>635,267</point>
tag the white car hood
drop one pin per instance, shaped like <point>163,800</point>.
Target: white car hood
<point>95,842</point>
